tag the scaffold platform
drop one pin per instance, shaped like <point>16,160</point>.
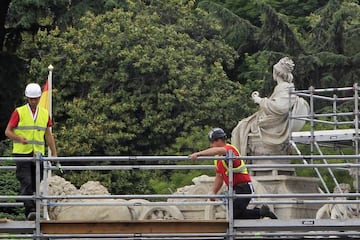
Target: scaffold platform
<point>210,229</point>
<point>308,137</point>
<point>9,226</point>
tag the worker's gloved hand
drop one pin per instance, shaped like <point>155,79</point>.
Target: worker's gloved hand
<point>255,97</point>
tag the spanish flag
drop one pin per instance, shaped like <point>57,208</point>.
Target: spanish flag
<point>44,99</point>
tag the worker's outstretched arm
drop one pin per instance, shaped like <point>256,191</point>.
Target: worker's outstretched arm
<point>209,152</point>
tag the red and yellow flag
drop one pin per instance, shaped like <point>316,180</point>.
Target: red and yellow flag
<point>44,99</point>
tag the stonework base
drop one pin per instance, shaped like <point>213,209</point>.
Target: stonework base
<point>283,184</point>
<point>256,147</point>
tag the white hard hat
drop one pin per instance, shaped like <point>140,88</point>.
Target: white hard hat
<point>33,90</point>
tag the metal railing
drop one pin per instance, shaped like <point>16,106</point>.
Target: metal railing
<point>43,199</point>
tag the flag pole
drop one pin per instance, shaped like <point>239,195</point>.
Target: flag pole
<point>50,68</point>
<point>47,173</point>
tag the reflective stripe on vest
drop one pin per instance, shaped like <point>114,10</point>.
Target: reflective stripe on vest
<point>240,169</point>
<point>32,129</point>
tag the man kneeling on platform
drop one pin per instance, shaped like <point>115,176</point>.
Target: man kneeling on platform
<point>241,180</point>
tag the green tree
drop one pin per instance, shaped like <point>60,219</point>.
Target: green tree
<point>9,186</point>
<point>297,10</point>
<point>132,80</point>
<point>19,17</point>
<point>136,80</point>
<point>324,51</point>
<point>19,23</point>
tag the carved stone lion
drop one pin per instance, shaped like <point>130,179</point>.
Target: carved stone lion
<point>58,186</point>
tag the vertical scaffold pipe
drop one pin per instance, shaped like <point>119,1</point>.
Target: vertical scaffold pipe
<point>356,142</point>
<point>230,158</point>
<point>38,159</point>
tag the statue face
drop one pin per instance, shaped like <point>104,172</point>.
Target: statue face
<point>274,74</point>
<point>277,75</point>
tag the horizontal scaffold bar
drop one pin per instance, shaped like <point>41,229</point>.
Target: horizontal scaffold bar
<point>278,195</point>
<point>278,202</point>
<point>182,158</point>
<point>181,167</point>
<point>322,90</point>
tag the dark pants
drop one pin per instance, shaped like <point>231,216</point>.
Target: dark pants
<point>240,204</point>
<point>26,174</point>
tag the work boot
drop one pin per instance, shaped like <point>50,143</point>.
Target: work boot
<point>31,216</point>
<point>265,212</point>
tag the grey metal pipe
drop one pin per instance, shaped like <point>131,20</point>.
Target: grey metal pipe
<point>278,202</point>
<point>277,195</point>
<point>183,167</point>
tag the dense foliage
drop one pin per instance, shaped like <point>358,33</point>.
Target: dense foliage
<point>134,80</point>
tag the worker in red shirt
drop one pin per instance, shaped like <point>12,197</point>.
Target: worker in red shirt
<point>241,178</point>
<point>29,128</point>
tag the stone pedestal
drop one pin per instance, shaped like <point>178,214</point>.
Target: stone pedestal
<point>256,147</point>
<point>283,184</point>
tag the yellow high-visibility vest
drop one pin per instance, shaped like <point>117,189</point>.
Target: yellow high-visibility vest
<point>32,128</point>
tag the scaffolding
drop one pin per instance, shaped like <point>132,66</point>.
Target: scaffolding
<point>343,132</point>
<point>333,123</point>
<point>227,228</point>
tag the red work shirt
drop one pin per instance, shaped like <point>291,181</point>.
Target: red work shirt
<point>238,177</point>
<point>14,119</point>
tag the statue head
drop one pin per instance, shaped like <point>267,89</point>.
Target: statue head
<point>283,70</point>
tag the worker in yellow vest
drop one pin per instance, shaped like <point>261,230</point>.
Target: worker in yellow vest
<point>29,128</point>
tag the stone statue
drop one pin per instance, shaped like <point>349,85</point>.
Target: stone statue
<point>338,211</point>
<point>58,186</point>
<point>137,209</point>
<point>266,131</point>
